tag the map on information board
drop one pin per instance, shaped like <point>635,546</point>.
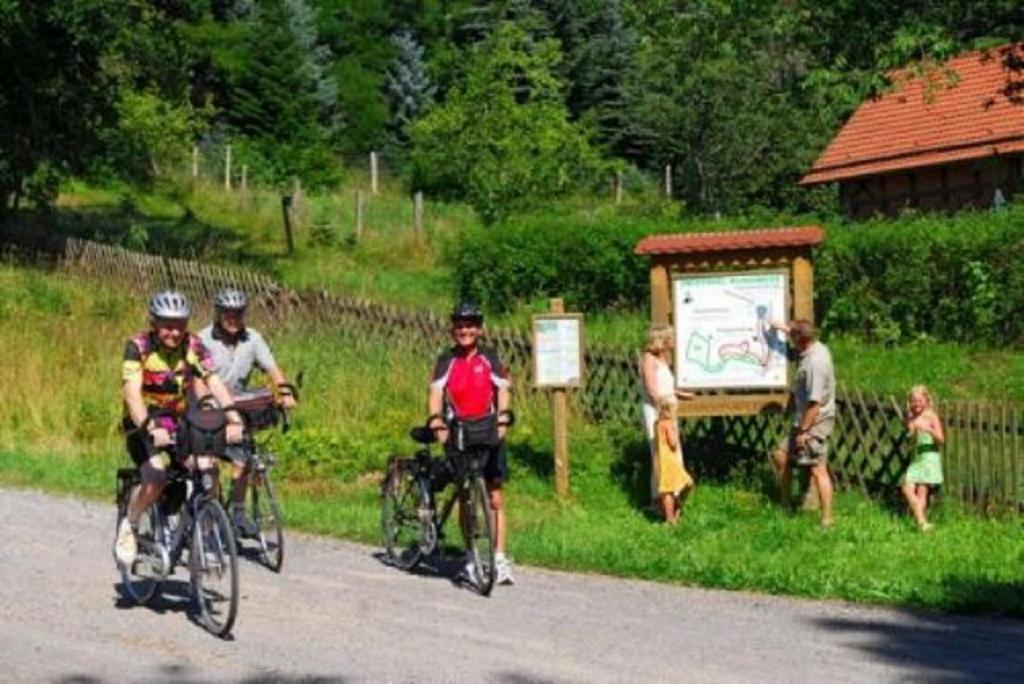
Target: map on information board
<point>723,336</point>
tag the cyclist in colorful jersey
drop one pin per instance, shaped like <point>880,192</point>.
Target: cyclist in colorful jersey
<point>162,369</point>
<point>236,350</point>
<point>470,382</point>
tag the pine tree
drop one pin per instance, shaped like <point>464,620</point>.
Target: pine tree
<point>409,89</point>
<point>282,103</point>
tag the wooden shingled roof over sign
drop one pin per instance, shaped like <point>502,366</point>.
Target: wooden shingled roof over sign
<point>697,243</point>
<point>971,107</point>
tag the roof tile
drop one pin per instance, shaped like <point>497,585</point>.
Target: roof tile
<point>925,121</point>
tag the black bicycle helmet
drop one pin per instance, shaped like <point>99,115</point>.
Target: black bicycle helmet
<point>467,311</point>
<point>231,298</point>
<point>169,305</point>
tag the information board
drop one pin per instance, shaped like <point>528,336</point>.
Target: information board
<point>558,350</point>
<point>723,336</point>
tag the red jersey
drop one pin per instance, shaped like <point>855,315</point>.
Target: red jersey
<point>470,382</point>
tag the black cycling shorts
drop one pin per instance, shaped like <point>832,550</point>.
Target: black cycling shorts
<point>495,469</point>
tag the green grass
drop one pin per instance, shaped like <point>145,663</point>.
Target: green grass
<point>360,398</point>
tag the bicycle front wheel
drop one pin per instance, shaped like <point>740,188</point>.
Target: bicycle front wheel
<point>141,580</point>
<point>266,513</point>
<point>406,517</point>
<point>213,565</point>
<point>480,535</point>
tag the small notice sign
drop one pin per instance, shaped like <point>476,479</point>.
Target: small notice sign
<point>558,350</point>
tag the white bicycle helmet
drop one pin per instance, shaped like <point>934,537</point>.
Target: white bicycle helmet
<point>231,298</point>
<point>169,304</point>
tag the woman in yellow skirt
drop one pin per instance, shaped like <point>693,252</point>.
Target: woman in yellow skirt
<point>673,481</point>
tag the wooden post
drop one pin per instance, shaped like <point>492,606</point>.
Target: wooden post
<point>618,187</point>
<point>803,288</point>
<point>661,297</point>
<point>298,204</point>
<point>560,420</point>
<point>359,215</point>
<point>668,181</point>
<point>286,205</point>
<point>373,173</point>
<point>227,167</point>
<point>195,166</point>
<point>417,214</point>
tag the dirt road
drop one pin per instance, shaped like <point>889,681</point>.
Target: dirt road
<point>338,614</point>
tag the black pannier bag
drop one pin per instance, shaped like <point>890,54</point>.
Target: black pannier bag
<point>476,433</point>
<point>204,432</point>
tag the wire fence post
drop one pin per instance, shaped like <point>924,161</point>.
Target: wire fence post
<point>417,214</point>
<point>227,167</point>
<point>373,173</point>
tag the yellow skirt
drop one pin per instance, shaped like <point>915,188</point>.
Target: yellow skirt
<point>671,475</point>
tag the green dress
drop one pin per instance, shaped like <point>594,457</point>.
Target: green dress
<point>926,466</point>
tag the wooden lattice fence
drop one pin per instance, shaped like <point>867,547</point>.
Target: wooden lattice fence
<point>983,454</point>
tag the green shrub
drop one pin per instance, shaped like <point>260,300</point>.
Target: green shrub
<point>954,278</point>
<point>588,262</point>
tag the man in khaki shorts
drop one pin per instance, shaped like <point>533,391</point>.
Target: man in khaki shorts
<point>814,413</point>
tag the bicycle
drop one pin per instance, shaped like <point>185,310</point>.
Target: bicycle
<point>188,516</point>
<point>412,525</point>
<point>260,412</point>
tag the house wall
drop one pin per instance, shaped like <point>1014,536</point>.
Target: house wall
<point>934,188</point>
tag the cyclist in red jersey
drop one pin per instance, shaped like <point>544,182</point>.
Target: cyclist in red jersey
<point>470,382</point>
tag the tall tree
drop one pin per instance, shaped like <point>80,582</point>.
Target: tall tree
<point>55,96</point>
<point>409,88</point>
<point>283,103</point>
<point>502,138</point>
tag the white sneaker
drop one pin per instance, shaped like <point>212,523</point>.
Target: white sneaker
<point>124,546</point>
<point>503,568</point>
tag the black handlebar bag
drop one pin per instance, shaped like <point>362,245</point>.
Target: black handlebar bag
<point>204,432</point>
<point>476,433</point>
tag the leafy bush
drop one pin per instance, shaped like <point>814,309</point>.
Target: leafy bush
<point>956,278</point>
<point>952,278</point>
<point>587,261</point>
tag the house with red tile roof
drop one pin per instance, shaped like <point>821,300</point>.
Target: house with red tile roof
<point>942,138</point>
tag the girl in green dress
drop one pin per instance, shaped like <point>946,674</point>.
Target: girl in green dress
<point>925,470</point>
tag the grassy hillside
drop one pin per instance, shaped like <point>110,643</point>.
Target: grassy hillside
<point>392,265</point>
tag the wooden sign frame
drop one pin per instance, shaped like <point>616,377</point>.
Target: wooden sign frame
<point>578,318</point>
<point>796,260</point>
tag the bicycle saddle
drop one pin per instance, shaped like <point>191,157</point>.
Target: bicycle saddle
<point>423,434</point>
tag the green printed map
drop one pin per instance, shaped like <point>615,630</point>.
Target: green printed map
<point>723,336</point>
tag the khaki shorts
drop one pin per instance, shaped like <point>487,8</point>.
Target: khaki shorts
<point>815,451</point>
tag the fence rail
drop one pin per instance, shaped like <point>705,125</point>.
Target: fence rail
<point>982,456</point>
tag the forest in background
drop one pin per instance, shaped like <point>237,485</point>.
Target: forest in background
<point>505,105</point>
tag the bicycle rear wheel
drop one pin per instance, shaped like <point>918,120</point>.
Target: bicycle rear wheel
<point>480,535</point>
<point>213,565</point>
<point>406,516</point>
<point>141,580</point>
<point>266,513</point>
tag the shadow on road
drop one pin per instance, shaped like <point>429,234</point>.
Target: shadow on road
<point>174,596</point>
<point>940,647</point>
<point>437,565</point>
<point>180,674</point>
